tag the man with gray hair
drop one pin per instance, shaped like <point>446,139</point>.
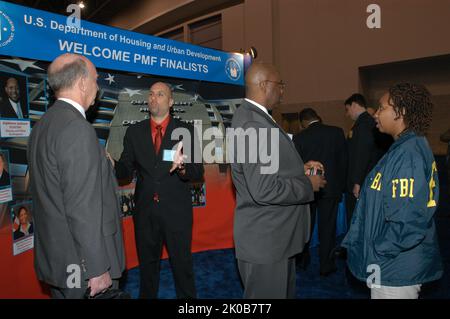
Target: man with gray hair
<point>78,237</point>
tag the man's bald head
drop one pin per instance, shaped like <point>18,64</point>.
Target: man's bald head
<point>160,100</point>
<point>65,70</point>
<point>73,76</point>
<point>263,84</point>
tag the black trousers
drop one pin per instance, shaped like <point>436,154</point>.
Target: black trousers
<point>327,208</point>
<point>350,203</point>
<point>151,232</point>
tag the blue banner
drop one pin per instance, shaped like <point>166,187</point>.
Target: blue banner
<point>41,35</point>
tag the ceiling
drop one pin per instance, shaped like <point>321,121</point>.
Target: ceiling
<point>98,11</point>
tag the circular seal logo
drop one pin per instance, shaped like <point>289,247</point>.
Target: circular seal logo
<point>233,69</point>
<point>6,29</point>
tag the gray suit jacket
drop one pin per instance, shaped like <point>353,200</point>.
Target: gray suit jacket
<point>76,208</point>
<point>272,218</point>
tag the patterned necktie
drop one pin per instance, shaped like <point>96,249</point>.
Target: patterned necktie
<point>158,138</point>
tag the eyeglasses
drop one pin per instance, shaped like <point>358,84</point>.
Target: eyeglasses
<point>281,84</point>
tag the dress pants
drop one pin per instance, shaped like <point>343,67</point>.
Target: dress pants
<point>350,203</point>
<point>151,231</point>
<point>327,208</point>
<point>268,281</point>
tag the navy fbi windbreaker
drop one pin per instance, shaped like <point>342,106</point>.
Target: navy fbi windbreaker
<point>393,225</point>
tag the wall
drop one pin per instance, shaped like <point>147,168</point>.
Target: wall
<point>319,46</point>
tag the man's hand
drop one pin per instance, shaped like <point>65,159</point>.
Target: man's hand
<point>317,182</point>
<point>313,164</point>
<point>356,189</point>
<point>100,283</point>
<point>108,156</point>
<point>178,160</point>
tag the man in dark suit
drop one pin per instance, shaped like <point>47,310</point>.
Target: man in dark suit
<point>272,219</point>
<point>325,144</point>
<point>4,176</point>
<point>77,224</point>
<point>162,197</point>
<point>363,149</point>
<point>11,106</point>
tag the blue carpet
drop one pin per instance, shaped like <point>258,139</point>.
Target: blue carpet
<point>217,277</point>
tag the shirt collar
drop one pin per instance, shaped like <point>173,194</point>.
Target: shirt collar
<point>14,103</point>
<point>259,106</point>
<point>312,122</point>
<point>163,123</point>
<point>74,104</point>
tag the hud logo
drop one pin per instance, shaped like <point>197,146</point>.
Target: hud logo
<point>6,29</point>
<point>233,69</point>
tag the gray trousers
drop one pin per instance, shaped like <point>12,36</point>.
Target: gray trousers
<point>268,281</point>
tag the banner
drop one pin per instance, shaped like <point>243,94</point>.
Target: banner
<point>111,48</point>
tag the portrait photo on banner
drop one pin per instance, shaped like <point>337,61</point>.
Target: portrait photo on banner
<point>22,226</point>
<point>5,175</point>
<point>13,96</point>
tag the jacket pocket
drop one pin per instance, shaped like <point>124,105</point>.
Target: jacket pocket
<point>109,228</point>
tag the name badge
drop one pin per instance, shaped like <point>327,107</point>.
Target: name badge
<point>168,155</point>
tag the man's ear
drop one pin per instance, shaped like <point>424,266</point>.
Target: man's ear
<point>171,102</point>
<point>82,84</point>
<point>263,85</point>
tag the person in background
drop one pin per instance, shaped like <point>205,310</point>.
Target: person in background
<point>325,144</point>
<point>445,137</point>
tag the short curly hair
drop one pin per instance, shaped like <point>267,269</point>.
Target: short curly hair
<point>413,101</point>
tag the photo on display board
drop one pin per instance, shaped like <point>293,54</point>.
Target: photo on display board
<point>13,96</point>
<point>22,227</point>
<point>198,192</point>
<point>5,179</point>
<point>127,204</point>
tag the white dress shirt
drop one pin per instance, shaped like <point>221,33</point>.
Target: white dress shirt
<point>259,106</point>
<point>17,108</point>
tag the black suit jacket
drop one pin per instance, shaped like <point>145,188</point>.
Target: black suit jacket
<point>4,180</point>
<point>7,111</point>
<point>327,145</point>
<point>175,201</point>
<point>363,150</point>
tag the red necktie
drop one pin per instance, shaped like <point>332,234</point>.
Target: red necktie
<point>158,138</point>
